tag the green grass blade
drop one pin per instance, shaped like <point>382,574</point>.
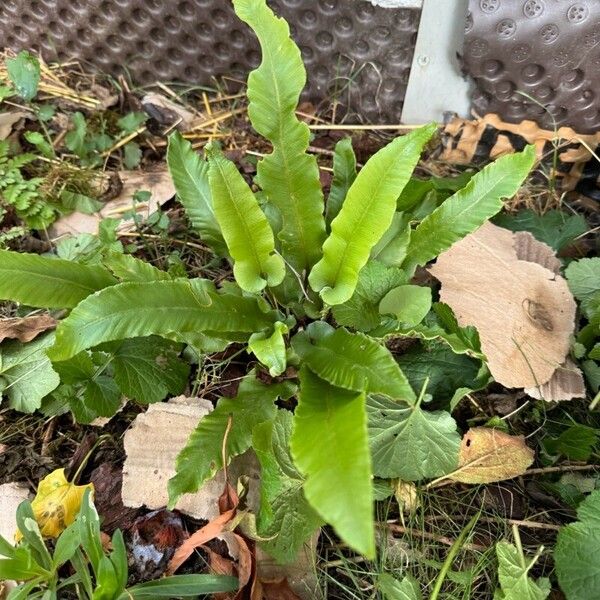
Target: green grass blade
<point>365,216</point>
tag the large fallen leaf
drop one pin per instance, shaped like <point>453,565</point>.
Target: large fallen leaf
<point>158,183</point>
<point>25,329</point>
<point>57,503</point>
<point>7,120</point>
<point>488,455</point>
<point>523,311</point>
<point>566,383</point>
<point>152,444</point>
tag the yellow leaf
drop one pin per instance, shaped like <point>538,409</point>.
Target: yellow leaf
<point>57,503</point>
<point>488,455</point>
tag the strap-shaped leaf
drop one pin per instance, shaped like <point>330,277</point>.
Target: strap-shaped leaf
<point>330,447</point>
<point>288,176</point>
<point>469,208</point>
<point>156,308</point>
<point>352,361</point>
<point>344,174</point>
<point>203,455</point>
<point>245,228</point>
<point>366,215</point>
<point>130,268</point>
<point>190,177</point>
<point>48,282</point>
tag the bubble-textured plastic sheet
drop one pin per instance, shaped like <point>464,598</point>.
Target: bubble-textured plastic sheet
<point>355,52</point>
<point>547,49</point>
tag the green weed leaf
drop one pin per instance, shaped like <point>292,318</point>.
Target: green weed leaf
<point>270,349</point>
<point>344,174</point>
<point>190,177</point>
<point>352,361</point>
<point>513,571</point>
<point>24,73</point>
<point>583,277</point>
<point>147,369</point>
<point>338,481</point>
<point>365,216</point>
<point>555,227</point>
<point>26,375</point>
<point>408,303</point>
<point>375,280</point>
<point>156,308</point>
<point>245,228</point>
<point>201,457</point>
<point>48,282</point>
<point>129,269</point>
<point>469,208</point>
<point>410,443</point>
<point>576,552</point>
<point>288,176</point>
<point>393,589</point>
<point>284,511</point>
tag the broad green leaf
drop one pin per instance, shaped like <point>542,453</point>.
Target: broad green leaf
<point>576,552</point>
<point>576,443</point>
<point>353,361</point>
<point>147,369</point>
<point>48,282</point>
<point>181,586</point>
<point>330,447</point>
<point>392,247</point>
<point>66,545</point>
<point>441,325</point>
<point>132,155</point>
<point>26,374</point>
<point>132,121</point>
<point>394,589</point>
<point>513,575</point>
<point>129,268</point>
<point>591,370</point>
<point>344,174</point>
<point>100,397</point>
<point>190,177</point>
<point>445,370</point>
<point>410,443</point>
<point>365,216</point>
<point>270,349</point>
<point>156,308</point>
<point>408,303</point>
<point>469,208</point>
<point>583,277</point>
<point>202,457</point>
<point>288,176</point>
<point>556,227</point>
<point>75,140</point>
<point>247,232</point>
<point>374,282</point>
<point>72,201</point>
<point>285,515</point>
<point>24,73</point>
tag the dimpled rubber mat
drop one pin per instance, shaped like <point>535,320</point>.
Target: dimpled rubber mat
<point>547,49</point>
<point>354,52</point>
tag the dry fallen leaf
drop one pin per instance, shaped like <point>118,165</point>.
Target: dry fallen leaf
<point>57,503</point>
<point>488,455</point>
<point>158,183</point>
<point>565,384</point>
<point>7,120</point>
<point>168,113</point>
<point>25,329</point>
<point>523,311</point>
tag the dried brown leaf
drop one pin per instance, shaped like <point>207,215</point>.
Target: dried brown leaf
<point>488,455</point>
<point>7,120</point>
<point>25,329</point>
<point>523,311</point>
<point>566,383</point>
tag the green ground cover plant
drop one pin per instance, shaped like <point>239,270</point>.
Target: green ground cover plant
<point>318,292</point>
